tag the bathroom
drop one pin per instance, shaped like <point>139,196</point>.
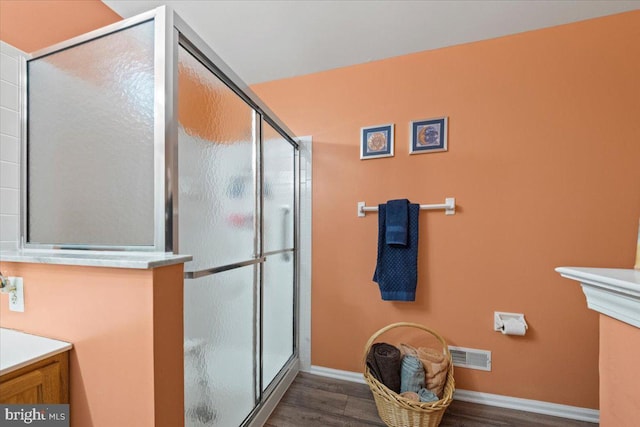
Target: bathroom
<point>542,160</point>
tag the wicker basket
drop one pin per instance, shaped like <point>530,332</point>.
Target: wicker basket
<point>397,411</point>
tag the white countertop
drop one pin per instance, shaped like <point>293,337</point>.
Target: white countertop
<point>18,349</point>
<point>611,291</point>
<point>138,260</point>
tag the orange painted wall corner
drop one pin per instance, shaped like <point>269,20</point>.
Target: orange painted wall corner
<point>543,136</point>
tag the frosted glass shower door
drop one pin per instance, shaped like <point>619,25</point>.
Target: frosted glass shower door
<point>278,280</point>
<point>219,352</point>
<point>218,227</point>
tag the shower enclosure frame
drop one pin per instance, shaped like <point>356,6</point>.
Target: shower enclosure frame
<point>171,32</point>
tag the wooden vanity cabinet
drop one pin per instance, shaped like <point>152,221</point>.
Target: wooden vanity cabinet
<point>45,381</point>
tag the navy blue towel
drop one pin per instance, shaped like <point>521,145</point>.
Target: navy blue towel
<point>396,225</point>
<point>397,267</point>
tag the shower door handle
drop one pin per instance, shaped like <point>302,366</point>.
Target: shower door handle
<point>208,271</point>
<point>285,235</point>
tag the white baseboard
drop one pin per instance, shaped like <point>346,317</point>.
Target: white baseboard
<point>338,374</point>
<point>489,399</point>
<point>529,405</point>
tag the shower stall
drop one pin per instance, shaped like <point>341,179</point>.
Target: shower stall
<point>160,147</point>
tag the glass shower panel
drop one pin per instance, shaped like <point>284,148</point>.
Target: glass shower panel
<point>278,282</point>
<point>219,348</point>
<point>278,161</point>
<point>217,191</point>
<point>277,315</point>
<point>104,134</point>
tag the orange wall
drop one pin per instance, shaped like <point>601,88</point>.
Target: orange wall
<point>31,25</point>
<point>125,327</point>
<point>544,148</point>
<point>168,345</point>
<point>619,373</point>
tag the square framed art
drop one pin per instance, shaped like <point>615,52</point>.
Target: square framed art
<point>428,136</point>
<point>376,141</point>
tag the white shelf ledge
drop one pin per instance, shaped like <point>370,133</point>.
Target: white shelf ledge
<point>140,260</point>
<point>611,291</point>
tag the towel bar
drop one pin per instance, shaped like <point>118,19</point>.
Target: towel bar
<point>449,207</point>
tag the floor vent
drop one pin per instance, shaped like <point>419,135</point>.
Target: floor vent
<point>471,358</point>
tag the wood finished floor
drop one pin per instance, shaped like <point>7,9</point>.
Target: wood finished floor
<point>314,401</point>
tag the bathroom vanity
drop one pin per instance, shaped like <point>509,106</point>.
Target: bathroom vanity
<point>33,369</point>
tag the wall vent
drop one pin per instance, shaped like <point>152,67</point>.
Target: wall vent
<point>471,358</point>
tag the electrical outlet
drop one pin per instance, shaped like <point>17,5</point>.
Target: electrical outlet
<point>16,297</point>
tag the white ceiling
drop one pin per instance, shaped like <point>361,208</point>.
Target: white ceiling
<point>264,40</point>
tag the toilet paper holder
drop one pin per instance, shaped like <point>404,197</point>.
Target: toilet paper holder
<point>499,319</point>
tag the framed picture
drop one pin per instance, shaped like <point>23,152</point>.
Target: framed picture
<point>376,141</point>
<point>428,136</point>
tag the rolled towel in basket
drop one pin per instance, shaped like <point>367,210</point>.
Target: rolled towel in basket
<point>407,349</point>
<point>436,366</point>
<point>411,395</point>
<point>427,395</point>
<point>384,362</point>
<point>411,374</point>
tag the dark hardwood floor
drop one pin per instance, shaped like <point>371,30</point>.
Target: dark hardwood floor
<point>314,401</point>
